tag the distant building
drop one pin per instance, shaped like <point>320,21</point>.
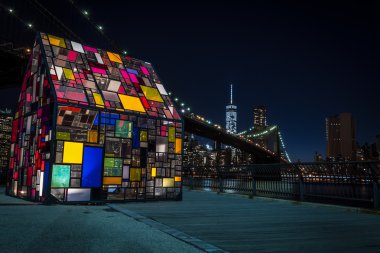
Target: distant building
<point>378,145</point>
<point>259,117</point>
<point>231,116</point>
<point>5,142</point>
<point>318,157</point>
<point>340,135</point>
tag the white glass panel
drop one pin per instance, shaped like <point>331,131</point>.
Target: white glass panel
<point>77,47</point>
<point>161,89</point>
<point>78,194</point>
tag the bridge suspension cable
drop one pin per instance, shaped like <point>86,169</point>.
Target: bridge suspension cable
<point>66,30</point>
<point>99,28</point>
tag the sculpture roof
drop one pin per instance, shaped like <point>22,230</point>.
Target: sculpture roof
<point>87,76</point>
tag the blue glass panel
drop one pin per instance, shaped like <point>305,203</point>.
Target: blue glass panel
<point>92,167</point>
<point>46,177</point>
<point>132,71</point>
<point>136,137</point>
<point>96,120</point>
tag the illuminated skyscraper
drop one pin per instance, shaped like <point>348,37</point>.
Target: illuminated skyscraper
<point>259,117</point>
<point>231,116</point>
<point>5,142</point>
<point>340,135</point>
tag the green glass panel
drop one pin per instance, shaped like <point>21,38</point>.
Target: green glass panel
<point>60,176</point>
<point>113,167</point>
<point>123,129</point>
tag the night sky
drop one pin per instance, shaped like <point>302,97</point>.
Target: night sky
<point>304,61</point>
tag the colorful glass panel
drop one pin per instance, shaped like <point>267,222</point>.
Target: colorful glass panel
<point>73,152</point>
<point>114,57</point>
<point>123,129</point>
<point>92,167</point>
<point>60,176</point>
<point>131,103</point>
<point>57,41</point>
<point>151,93</point>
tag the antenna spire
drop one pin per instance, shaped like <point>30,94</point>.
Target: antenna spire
<point>231,94</point>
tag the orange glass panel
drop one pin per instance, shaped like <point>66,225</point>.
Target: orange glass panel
<point>131,103</point>
<point>111,180</point>
<point>114,57</point>
<point>178,146</point>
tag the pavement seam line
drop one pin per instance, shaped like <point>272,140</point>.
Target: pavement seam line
<point>193,241</point>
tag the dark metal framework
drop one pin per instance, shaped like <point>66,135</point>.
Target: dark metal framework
<point>344,183</point>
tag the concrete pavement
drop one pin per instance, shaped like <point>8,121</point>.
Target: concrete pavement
<point>29,227</point>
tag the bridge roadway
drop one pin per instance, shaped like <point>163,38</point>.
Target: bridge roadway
<point>236,223</point>
<point>200,128</point>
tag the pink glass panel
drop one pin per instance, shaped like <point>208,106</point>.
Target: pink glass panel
<point>99,71</point>
<point>121,90</point>
<point>145,70</point>
<point>91,49</point>
<point>133,78</point>
<point>72,56</point>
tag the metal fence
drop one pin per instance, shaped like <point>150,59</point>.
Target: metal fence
<point>343,183</point>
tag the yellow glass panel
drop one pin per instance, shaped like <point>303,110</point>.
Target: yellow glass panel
<point>178,146</point>
<point>154,172</point>
<point>57,41</point>
<point>72,152</point>
<point>131,103</point>
<point>111,180</point>
<point>68,74</point>
<point>92,136</point>
<point>98,99</point>
<point>63,136</point>
<point>177,179</point>
<point>143,136</point>
<point>168,182</point>
<point>151,93</point>
<point>114,57</point>
<point>135,174</point>
<point>171,134</point>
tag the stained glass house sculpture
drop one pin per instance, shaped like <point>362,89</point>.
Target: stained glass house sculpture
<point>92,125</point>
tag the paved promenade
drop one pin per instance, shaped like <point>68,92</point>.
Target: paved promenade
<point>203,220</point>
<point>28,227</point>
<point>239,224</point>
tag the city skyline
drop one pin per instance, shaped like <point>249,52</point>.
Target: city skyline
<point>304,61</point>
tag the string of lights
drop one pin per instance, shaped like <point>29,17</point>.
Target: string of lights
<point>29,25</point>
<point>283,147</point>
<point>98,27</point>
<point>66,30</point>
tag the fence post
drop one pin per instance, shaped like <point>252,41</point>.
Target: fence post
<point>220,179</point>
<point>376,201</point>
<point>253,184</point>
<point>301,184</point>
<point>191,181</point>
<point>220,182</point>
<point>375,187</point>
